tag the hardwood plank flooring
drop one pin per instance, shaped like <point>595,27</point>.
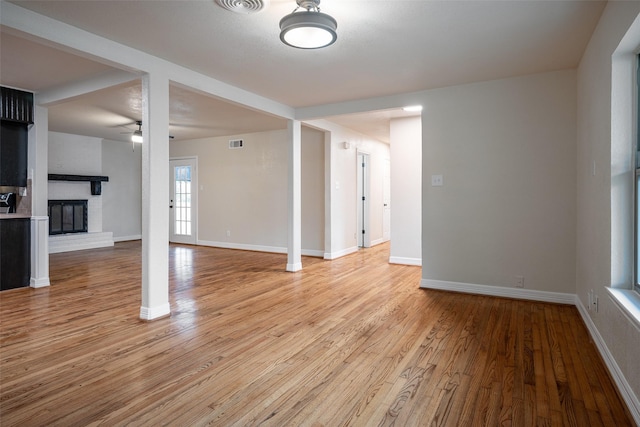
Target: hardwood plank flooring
<point>348,342</point>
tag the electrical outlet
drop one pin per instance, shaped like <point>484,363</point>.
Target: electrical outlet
<point>228,233</point>
<point>519,281</point>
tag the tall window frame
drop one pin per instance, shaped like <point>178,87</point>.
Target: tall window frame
<point>636,184</point>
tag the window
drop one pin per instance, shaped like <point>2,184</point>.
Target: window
<point>637,221</point>
<point>637,184</point>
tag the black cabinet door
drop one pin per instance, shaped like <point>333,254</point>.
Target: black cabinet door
<point>15,253</point>
<point>13,154</point>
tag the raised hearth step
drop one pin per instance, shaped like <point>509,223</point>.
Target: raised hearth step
<point>79,241</point>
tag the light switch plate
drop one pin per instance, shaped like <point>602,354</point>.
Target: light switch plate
<point>437,181</point>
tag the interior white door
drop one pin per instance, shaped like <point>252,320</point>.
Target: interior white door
<point>386,201</point>
<point>362,179</point>
<point>183,201</point>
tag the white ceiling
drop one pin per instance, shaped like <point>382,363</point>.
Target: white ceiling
<point>383,48</point>
<point>192,115</point>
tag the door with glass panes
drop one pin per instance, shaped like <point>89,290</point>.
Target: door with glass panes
<point>183,201</point>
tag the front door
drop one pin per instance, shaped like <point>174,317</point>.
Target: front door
<point>183,201</point>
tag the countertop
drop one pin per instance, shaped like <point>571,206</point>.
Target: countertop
<point>14,216</point>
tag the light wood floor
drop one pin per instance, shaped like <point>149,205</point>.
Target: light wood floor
<point>352,341</point>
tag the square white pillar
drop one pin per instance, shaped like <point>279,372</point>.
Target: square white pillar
<point>38,174</point>
<point>294,241</point>
<point>155,197</point>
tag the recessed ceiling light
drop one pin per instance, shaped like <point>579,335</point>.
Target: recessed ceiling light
<point>413,108</point>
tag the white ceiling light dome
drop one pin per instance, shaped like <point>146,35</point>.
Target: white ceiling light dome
<point>244,6</point>
<point>308,28</point>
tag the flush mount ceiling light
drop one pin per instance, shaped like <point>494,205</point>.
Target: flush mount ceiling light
<point>137,134</point>
<point>308,28</point>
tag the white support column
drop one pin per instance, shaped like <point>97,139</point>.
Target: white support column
<point>38,175</point>
<point>328,196</point>
<point>39,252</point>
<point>294,243</point>
<point>155,197</point>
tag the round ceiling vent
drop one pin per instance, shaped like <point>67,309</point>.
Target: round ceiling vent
<point>244,6</point>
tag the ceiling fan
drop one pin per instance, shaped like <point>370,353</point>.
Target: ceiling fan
<point>136,135</point>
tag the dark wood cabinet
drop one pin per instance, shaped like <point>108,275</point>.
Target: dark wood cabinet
<point>16,114</point>
<point>16,105</point>
<point>13,154</point>
<point>15,253</point>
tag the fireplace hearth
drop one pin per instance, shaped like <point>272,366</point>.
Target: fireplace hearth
<point>67,216</point>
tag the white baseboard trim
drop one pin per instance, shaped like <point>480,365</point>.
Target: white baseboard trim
<point>127,238</point>
<point>257,248</point>
<point>292,268</point>
<point>41,282</point>
<point>151,313</point>
<point>498,291</point>
<point>243,246</point>
<point>313,253</point>
<point>405,261</point>
<point>618,377</point>
<point>379,241</point>
<point>338,254</point>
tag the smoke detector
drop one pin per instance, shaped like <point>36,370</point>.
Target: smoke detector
<point>244,6</point>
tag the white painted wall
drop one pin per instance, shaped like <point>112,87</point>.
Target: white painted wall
<point>312,191</point>
<point>122,195</point>
<point>343,196</point>
<point>601,198</point>
<point>76,155</point>
<point>341,191</point>
<point>244,191</point>
<point>506,150</point>
<point>406,190</point>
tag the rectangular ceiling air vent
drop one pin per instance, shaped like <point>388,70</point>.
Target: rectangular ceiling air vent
<point>236,143</point>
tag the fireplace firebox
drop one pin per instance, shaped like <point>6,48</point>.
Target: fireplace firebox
<point>67,216</point>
